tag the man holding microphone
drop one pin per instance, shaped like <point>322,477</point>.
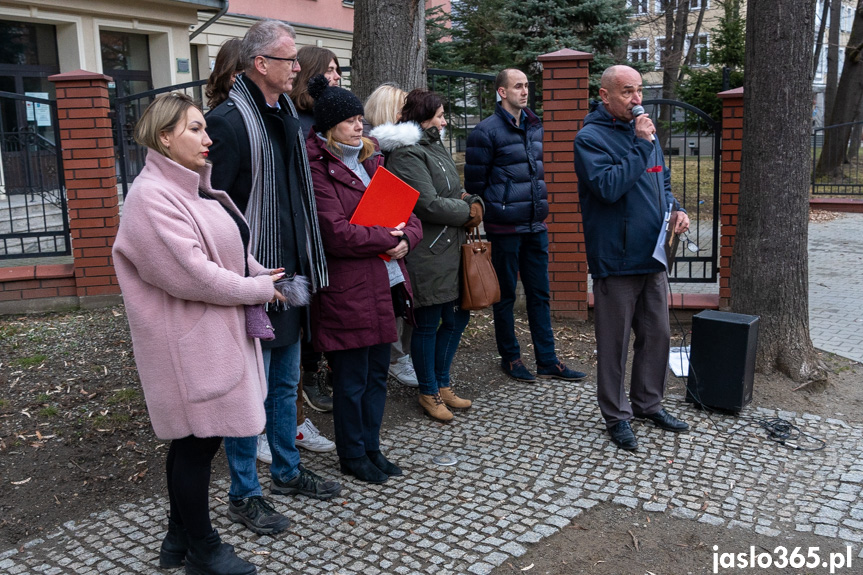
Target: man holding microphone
<point>625,190</point>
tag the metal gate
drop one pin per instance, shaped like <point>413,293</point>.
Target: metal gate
<point>127,110</point>
<point>33,217</point>
<point>691,141</point>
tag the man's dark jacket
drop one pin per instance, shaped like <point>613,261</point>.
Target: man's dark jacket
<point>231,157</point>
<point>622,203</point>
<point>504,167</point>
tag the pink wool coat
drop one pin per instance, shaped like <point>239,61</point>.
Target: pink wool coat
<point>179,259</point>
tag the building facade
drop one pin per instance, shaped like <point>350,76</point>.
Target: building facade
<point>647,44</point>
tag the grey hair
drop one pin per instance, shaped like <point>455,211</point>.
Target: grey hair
<point>261,37</point>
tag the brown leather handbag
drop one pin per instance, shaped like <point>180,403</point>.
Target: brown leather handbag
<point>479,285</point>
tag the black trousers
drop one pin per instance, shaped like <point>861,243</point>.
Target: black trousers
<point>188,470</point>
<point>359,397</point>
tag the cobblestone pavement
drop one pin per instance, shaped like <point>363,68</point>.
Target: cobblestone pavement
<point>836,285</point>
<point>515,483</point>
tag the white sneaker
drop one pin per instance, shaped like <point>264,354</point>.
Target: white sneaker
<point>403,371</point>
<point>308,437</point>
<point>264,453</point>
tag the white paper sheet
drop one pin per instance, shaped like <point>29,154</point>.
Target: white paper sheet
<point>678,361</point>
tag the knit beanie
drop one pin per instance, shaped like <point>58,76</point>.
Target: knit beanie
<point>332,104</point>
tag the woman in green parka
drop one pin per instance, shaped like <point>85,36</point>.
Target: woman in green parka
<point>415,153</point>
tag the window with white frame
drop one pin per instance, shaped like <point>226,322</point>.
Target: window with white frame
<point>636,50</point>
<point>638,7</point>
<point>846,19</point>
<point>696,4</point>
<point>659,5</point>
<point>702,47</point>
<point>659,52</point>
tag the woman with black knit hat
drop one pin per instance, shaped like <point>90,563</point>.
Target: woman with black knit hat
<point>353,320</point>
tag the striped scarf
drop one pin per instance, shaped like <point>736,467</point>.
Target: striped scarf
<point>262,211</point>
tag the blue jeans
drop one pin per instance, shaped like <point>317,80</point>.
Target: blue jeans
<point>527,254</point>
<point>359,397</point>
<point>434,342</point>
<point>282,365</point>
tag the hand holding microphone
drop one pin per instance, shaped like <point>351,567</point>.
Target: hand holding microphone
<point>644,127</point>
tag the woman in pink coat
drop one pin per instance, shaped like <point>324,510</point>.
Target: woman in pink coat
<point>181,256</point>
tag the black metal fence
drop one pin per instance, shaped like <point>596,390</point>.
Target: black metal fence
<point>33,217</point>
<point>691,141</point>
<point>128,109</point>
<point>847,179</point>
<point>469,98</point>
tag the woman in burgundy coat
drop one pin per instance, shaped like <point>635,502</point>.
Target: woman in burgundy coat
<point>353,320</point>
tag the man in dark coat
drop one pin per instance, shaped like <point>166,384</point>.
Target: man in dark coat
<point>625,190</point>
<point>259,160</point>
<point>504,167</point>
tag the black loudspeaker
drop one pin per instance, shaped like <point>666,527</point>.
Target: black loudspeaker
<point>722,360</point>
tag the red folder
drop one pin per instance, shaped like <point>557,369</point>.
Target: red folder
<point>387,201</point>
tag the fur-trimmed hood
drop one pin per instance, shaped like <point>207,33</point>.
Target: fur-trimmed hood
<point>392,136</point>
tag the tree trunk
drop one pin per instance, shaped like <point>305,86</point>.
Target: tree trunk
<point>832,80</point>
<point>849,97</point>
<point>691,52</point>
<point>676,20</point>
<point>856,134</point>
<point>389,45</point>
<point>819,40</point>
<point>769,276</point>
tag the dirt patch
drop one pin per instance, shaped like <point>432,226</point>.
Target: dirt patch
<point>75,437</point>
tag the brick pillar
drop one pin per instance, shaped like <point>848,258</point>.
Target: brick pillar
<point>565,79</point>
<point>91,181</point>
<point>732,149</point>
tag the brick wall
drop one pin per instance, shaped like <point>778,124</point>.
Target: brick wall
<point>565,99</point>
<point>91,190</point>
<point>91,181</point>
<point>732,149</point>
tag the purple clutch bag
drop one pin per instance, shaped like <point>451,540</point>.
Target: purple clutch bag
<point>258,323</point>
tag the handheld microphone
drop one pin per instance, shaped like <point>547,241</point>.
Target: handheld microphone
<point>638,111</point>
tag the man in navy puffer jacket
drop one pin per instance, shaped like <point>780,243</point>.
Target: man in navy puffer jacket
<point>504,167</point>
<point>625,190</point>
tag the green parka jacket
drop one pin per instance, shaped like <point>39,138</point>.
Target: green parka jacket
<point>419,158</point>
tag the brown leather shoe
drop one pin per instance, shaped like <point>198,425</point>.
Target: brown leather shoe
<point>435,407</point>
<point>452,400</point>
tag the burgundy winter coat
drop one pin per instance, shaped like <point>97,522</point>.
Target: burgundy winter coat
<point>356,310</point>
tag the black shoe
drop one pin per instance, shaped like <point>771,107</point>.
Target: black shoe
<point>209,556</point>
<point>559,371</point>
<point>258,515</point>
<point>363,469</point>
<point>172,553</point>
<point>385,465</point>
<point>622,436</point>
<point>516,370</point>
<point>308,484</point>
<point>665,420</point>
<point>313,393</point>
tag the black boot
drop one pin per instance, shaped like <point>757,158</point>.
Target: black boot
<point>174,546</point>
<point>209,556</point>
<point>363,469</point>
<point>384,464</point>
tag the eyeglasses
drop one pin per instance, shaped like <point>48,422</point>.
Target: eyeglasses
<point>293,61</point>
<point>690,245</point>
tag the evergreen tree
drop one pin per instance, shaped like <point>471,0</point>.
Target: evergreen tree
<point>535,27</point>
<point>476,25</point>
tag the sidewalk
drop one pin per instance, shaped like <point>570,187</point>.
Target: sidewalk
<point>508,489</point>
<point>836,285</point>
